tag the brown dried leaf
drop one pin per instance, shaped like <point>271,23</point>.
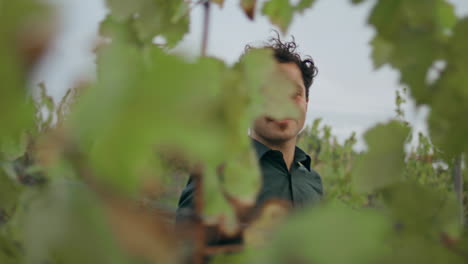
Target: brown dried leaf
<point>33,40</point>
<point>219,2</point>
<point>271,215</point>
<point>249,8</point>
<point>142,233</point>
<point>47,150</point>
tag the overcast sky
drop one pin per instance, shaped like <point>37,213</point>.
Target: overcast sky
<point>348,93</point>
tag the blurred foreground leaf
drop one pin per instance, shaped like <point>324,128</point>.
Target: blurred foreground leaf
<point>417,209</point>
<point>447,120</point>
<point>201,108</point>
<point>16,108</point>
<point>66,224</point>
<point>280,13</point>
<point>383,162</point>
<point>9,193</point>
<point>311,237</point>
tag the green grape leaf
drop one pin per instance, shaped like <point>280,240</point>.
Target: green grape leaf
<point>10,253</point>
<point>118,31</point>
<point>449,108</point>
<point>151,18</point>
<point>268,87</point>
<point>145,105</point>
<point>420,209</point>
<point>9,192</point>
<point>113,156</point>
<point>16,112</point>
<point>247,255</point>
<point>445,17</point>
<point>466,162</point>
<point>66,223</point>
<point>16,106</point>
<point>216,209</point>
<point>242,177</point>
<point>383,162</point>
<point>147,102</point>
<point>420,249</point>
<point>122,9</point>
<point>157,18</point>
<point>13,147</point>
<point>303,5</point>
<point>381,51</point>
<point>280,13</point>
<point>182,11</point>
<point>357,1</point>
<point>361,233</point>
<point>413,41</point>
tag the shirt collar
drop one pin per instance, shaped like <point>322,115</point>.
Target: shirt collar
<point>260,148</point>
<point>299,154</point>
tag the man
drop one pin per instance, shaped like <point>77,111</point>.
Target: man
<point>285,168</point>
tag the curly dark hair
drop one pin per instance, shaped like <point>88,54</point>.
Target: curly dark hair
<point>285,52</point>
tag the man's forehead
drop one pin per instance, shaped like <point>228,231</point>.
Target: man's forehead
<point>290,71</point>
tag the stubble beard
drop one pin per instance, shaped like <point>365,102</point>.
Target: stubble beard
<point>276,133</point>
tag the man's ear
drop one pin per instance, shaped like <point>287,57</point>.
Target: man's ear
<point>307,100</point>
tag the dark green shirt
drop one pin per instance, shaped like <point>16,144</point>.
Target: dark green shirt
<point>300,186</point>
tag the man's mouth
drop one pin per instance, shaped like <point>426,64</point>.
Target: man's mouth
<point>279,122</point>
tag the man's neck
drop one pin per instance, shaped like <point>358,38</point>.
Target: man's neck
<point>286,147</point>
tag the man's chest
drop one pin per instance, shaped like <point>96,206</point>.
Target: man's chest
<point>299,186</point>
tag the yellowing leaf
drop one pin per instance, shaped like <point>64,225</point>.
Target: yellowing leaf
<point>280,13</point>
<point>260,232</point>
<point>219,2</point>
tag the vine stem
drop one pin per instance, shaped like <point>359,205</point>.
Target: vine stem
<point>458,186</point>
<point>200,236</point>
<point>206,25</point>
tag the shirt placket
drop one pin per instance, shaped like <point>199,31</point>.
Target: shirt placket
<point>280,158</point>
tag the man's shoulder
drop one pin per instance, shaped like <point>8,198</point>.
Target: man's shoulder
<point>314,178</point>
<point>318,180</point>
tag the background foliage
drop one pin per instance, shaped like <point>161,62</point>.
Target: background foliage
<point>92,178</point>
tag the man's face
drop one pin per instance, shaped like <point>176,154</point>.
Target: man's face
<point>283,130</point>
